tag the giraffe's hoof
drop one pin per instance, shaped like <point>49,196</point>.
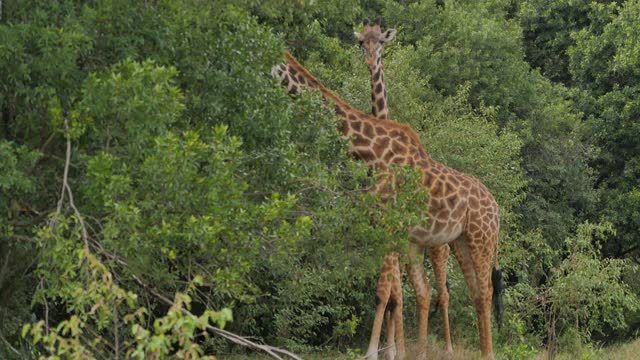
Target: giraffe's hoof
<point>390,354</point>
<point>371,356</point>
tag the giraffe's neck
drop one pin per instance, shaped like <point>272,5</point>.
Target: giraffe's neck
<point>379,102</point>
<point>379,143</point>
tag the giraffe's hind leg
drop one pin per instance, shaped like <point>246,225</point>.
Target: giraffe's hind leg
<point>439,257</point>
<point>473,253</point>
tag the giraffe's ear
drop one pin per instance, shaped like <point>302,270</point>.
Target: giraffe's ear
<point>357,35</point>
<point>388,35</point>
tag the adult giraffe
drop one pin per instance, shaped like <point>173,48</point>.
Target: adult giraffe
<point>371,44</point>
<point>462,211</point>
<point>372,40</point>
<point>389,289</point>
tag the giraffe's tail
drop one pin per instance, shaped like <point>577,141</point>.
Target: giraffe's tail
<point>498,290</point>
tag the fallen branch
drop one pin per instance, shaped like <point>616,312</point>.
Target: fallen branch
<point>236,339</point>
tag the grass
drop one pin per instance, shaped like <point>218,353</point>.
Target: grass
<point>435,351</point>
<point>630,350</point>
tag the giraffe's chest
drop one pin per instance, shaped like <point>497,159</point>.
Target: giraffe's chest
<point>432,236</point>
<point>446,223</point>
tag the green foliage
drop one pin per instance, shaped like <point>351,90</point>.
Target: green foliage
<point>17,162</point>
<point>176,329</point>
<point>98,305</point>
<point>198,214</point>
<point>473,41</point>
<point>605,56</point>
<point>604,62</point>
<point>517,346</point>
<point>128,105</point>
<point>189,163</point>
<point>548,27</point>
<point>583,272</point>
<point>584,293</point>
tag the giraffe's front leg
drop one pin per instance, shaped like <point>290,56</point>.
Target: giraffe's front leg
<point>396,314</point>
<point>395,328</point>
<point>391,350</point>
<point>383,293</point>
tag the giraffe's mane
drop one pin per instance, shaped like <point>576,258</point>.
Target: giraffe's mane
<point>313,82</point>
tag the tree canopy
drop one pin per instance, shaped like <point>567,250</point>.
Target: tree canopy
<point>151,168</point>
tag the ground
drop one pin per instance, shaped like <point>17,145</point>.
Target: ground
<point>623,351</point>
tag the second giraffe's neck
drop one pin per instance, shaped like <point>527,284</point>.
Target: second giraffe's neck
<point>379,103</point>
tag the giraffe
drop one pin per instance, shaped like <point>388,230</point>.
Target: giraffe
<point>371,41</point>
<point>462,211</point>
<point>389,289</point>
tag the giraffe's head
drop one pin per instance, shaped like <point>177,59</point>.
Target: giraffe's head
<point>372,39</point>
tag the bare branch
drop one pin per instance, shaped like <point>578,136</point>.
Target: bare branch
<point>44,146</point>
<point>66,188</point>
<point>83,228</point>
<point>65,174</point>
<point>631,249</point>
<point>46,308</point>
<point>24,238</point>
<point>15,351</point>
<point>5,266</point>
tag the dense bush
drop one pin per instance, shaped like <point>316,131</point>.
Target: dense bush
<point>194,176</point>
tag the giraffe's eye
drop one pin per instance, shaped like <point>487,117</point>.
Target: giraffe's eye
<point>361,43</point>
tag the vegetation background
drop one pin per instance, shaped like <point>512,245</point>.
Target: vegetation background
<point>145,151</point>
